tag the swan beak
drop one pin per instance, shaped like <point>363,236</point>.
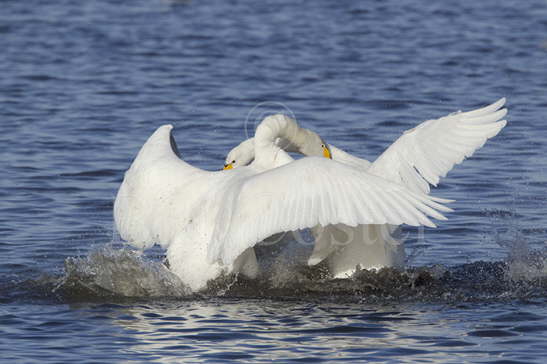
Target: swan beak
<point>228,166</point>
<point>326,153</point>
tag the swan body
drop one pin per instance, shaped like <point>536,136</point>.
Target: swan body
<point>210,221</point>
<point>417,159</point>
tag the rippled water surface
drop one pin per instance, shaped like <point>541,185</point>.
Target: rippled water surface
<point>85,83</point>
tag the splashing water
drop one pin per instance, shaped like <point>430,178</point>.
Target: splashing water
<point>115,273</point>
<point>119,272</point>
<point>523,264</point>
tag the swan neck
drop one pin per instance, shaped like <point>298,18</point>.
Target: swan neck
<point>279,126</point>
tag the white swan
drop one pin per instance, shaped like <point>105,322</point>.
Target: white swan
<point>209,221</point>
<point>416,159</point>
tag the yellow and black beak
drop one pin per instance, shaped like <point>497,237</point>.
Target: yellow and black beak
<point>228,166</point>
<point>326,152</point>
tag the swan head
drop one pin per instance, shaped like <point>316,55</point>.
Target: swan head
<point>313,145</point>
<point>318,149</point>
<point>241,155</point>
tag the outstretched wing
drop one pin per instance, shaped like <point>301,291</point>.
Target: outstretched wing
<point>425,153</point>
<point>313,191</point>
<point>151,204</point>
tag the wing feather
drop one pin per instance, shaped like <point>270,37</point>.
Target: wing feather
<point>152,205</point>
<point>429,151</point>
<point>313,191</point>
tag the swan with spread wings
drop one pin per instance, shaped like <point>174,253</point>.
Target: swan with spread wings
<point>209,221</point>
<point>416,160</point>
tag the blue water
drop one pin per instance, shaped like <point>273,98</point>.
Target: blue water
<point>83,84</point>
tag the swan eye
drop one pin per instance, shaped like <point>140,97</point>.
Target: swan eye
<point>234,161</point>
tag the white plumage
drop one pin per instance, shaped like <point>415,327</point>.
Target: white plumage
<point>429,151</point>
<point>416,159</point>
<point>209,221</point>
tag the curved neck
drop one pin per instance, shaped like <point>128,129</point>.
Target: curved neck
<point>272,128</point>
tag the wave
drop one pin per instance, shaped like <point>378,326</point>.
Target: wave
<point>109,273</point>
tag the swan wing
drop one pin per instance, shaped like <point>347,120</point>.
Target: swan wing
<point>429,151</point>
<point>311,191</point>
<point>154,202</point>
<point>344,157</point>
